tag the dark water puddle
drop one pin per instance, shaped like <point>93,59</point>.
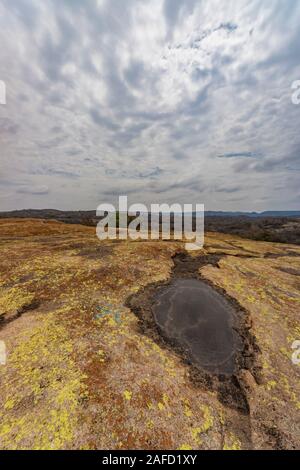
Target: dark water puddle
<point>209,330</point>
<point>200,320</point>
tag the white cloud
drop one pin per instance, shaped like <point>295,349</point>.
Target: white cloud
<point>143,96</point>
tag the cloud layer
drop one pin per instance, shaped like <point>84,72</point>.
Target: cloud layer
<point>164,101</point>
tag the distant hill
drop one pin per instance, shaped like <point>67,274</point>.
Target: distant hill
<point>275,226</point>
<point>70,217</point>
<point>253,214</point>
<point>79,215</point>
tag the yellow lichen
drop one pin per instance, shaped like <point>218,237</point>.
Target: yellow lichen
<point>14,299</point>
<point>127,395</point>
<point>232,443</point>
<point>185,447</point>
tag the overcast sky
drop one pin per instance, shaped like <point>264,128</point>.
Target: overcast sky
<point>185,101</point>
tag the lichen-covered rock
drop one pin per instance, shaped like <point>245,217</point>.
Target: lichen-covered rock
<point>80,372</point>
